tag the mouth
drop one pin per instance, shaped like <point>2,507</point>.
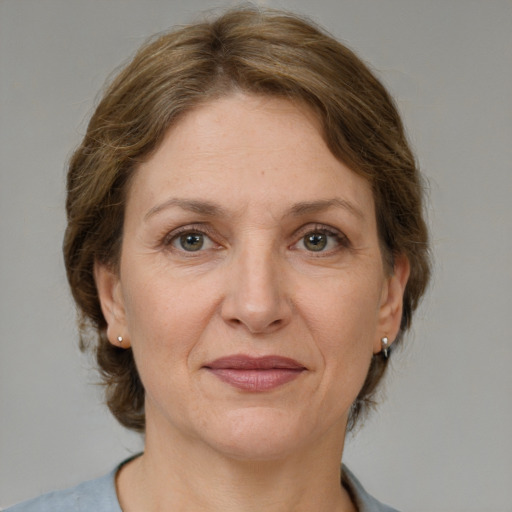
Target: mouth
<point>255,374</point>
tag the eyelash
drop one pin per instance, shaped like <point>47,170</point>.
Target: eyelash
<point>201,229</point>
<point>341,240</point>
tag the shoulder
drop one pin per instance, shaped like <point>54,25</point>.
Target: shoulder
<point>364,501</point>
<point>98,495</point>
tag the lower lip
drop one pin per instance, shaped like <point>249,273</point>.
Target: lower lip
<point>256,380</point>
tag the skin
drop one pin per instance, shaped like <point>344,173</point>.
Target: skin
<point>262,181</point>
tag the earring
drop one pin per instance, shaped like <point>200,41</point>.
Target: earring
<point>385,347</point>
<point>120,340</point>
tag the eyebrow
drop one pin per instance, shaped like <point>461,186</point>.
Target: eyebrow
<point>309,207</point>
<point>201,207</point>
<point>210,209</point>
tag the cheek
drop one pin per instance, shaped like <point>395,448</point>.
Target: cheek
<point>160,301</point>
<point>343,308</point>
<point>343,319</point>
<point>165,325</point>
<point>165,320</point>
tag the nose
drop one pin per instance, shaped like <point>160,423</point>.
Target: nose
<point>256,297</point>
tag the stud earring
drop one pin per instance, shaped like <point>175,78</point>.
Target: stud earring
<point>120,340</point>
<point>385,347</point>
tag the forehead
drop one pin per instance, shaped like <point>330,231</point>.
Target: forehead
<point>244,149</point>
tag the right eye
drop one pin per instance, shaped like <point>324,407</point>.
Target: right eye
<point>191,241</point>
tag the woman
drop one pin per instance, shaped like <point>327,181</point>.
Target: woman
<point>245,245</point>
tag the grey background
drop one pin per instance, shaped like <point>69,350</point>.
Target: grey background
<point>442,439</point>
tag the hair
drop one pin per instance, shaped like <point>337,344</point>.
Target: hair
<point>262,52</point>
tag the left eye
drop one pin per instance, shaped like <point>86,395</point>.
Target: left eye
<point>319,241</point>
<point>315,241</point>
<point>192,241</point>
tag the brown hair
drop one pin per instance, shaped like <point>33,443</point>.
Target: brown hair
<point>260,52</point>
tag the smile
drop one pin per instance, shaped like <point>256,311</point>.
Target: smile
<point>255,374</point>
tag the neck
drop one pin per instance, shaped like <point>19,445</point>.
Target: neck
<point>183,476</point>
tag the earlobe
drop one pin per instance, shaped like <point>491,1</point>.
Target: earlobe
<point>390,313</point>
<point>112,305</point>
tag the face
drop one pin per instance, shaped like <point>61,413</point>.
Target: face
<point>251,287</point>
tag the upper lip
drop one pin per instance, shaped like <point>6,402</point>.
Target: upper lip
<point>244,362</point>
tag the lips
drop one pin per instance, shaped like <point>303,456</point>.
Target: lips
<point>255,374</point>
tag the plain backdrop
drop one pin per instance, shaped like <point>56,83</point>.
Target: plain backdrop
<point>441,441</point>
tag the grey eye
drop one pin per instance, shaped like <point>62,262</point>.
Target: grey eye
<point>315,241</point>
<point>191,241</point>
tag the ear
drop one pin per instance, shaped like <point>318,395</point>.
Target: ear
<point>112,304</point>
<point>391,306</point>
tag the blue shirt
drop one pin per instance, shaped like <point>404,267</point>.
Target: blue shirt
<point>99,495</point>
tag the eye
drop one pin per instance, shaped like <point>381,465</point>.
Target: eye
<point>315,241</point>
<point>321,240</point>
<point>190,241</point>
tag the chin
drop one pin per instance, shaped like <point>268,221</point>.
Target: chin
<point>258,434</point>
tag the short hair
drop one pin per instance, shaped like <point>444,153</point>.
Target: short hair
<point>262,52</point>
